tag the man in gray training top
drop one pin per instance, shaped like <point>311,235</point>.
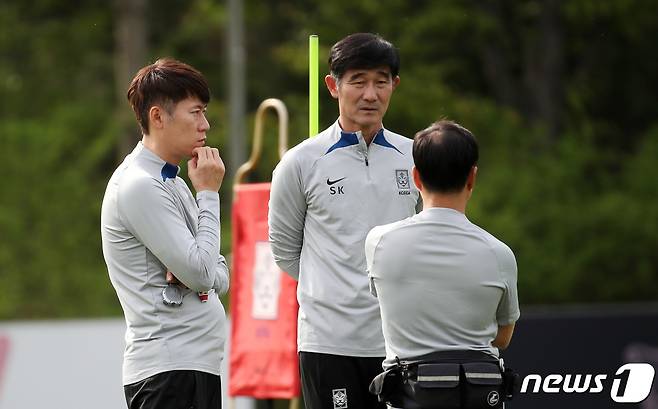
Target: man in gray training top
<point>444,284</point>
<point>155,232</point>
<point>327,193</point>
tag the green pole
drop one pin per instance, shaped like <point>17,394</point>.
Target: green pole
<point>313,86</point>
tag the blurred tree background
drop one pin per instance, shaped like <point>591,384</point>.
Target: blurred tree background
<point>561,96</point>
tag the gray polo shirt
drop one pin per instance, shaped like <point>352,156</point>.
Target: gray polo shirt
<point>443,284</point>
<point>151,223</point>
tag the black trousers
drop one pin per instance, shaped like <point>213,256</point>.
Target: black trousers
<point>338,382</point>
<point>176,390</point>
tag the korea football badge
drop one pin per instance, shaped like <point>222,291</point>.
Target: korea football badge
<point>402,179</point>
<point>172,295</point>
<point>340,398</point>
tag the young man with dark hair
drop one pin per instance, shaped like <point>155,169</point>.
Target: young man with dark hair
<point>444,284</point>
<point>327,193</point>
<point>161,245</point>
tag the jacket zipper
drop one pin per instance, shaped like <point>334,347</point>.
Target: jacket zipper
<point>365,158</point>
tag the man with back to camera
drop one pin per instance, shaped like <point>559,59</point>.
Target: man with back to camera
<point>327,193</point>
<point>444,284</point>
<point>154,232</point>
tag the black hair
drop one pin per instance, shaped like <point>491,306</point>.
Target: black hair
<point>167,82</point>
<point>444,154</point>
<point>363,51</point>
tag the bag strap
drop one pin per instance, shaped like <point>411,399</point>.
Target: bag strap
<point>457,357</point>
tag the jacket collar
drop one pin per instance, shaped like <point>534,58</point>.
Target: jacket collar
<point>153,164</point>
<point>353,138</point>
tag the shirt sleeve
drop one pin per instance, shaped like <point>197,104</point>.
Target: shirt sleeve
<point>150,213</point>
<point>222,277</point>
<point>287,215</point>
<point>508,310</point>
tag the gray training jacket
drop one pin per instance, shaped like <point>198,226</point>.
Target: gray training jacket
<point>327,193</point>
<point>150,223</point>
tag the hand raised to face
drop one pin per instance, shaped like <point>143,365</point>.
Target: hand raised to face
<point>206,169</point>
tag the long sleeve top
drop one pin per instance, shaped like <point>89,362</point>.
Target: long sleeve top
<point>326,194</point>
<point>151,224</point>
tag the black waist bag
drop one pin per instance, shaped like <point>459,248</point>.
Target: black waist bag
<point>435,386</point>
<point>483,385</point>
<point>454,380</point>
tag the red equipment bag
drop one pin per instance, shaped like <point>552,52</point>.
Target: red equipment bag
<point>263,357</point>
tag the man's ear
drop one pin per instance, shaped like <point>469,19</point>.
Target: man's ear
<point>332,85</point>
<point>416,176</point>
<point>472,175</point>
<point>396,81</point>
<point>156,117</point>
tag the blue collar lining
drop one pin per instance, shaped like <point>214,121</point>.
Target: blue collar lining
<point>381,141</point>
<point>169,171</point>
<point>346,139</point>
<point>350,138</point>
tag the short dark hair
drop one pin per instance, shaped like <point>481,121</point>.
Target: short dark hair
<point>167,82</point>
<point>444,154</point>
<point>363,51</point>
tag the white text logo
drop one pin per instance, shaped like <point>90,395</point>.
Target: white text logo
<point>631,383</point>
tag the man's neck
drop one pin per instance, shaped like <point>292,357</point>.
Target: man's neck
<point>159,149</point>
<point>456,201</point>
<point>367,133</point>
